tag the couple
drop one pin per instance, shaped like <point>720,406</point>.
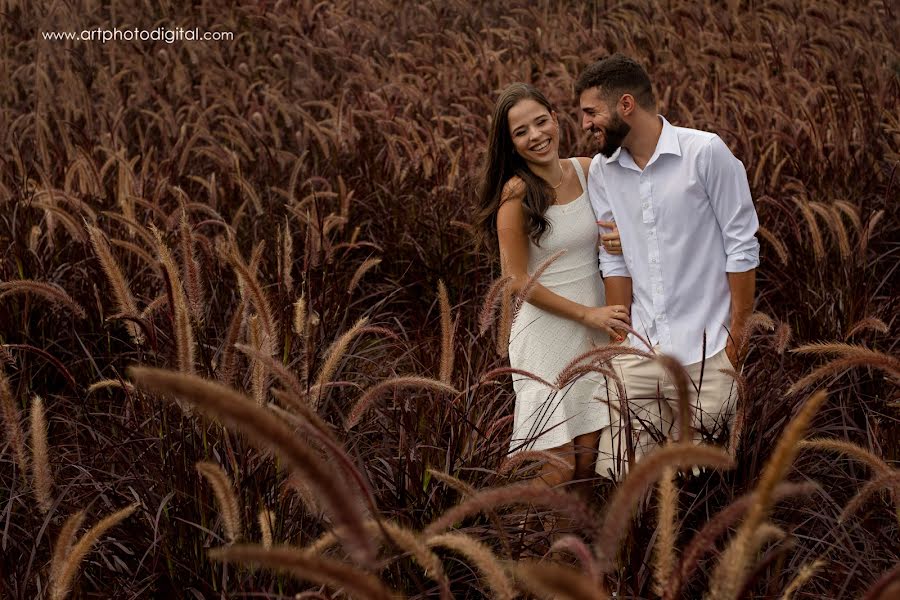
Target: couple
<point>679,270</point>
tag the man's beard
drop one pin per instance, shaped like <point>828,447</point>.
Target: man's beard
<point>614,135</point>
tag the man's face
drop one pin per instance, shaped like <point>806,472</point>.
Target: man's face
<point>602,121</point>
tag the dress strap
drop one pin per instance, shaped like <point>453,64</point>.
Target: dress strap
<point>580,172</point>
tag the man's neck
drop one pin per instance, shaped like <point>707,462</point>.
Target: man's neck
<point>643,137</point>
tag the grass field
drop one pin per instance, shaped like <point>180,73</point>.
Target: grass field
<point>241,313</point>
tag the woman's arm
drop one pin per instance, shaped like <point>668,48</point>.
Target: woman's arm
<point>513,239</point>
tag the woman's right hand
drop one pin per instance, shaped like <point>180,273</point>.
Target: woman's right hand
<point>608,319</point>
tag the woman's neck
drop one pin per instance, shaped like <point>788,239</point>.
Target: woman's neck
<point>551,172</point>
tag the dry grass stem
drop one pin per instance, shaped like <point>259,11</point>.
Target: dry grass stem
<point>848,449</point>
<point>335,353</point>
<point>645,473</point>
<point>300,316</point>
<point>110,383</point>
<point>266,518</point>
<point>12,421</point>
<point>361,270</point>
<point>494,373</point>
<point>777,244</point>
<point>533,279</point>
<point>48,291</point>
<point>542,456</point>
<point>63,544</point>
<point>704,540</point>
<point>43,477</point>
<point>184,334</point>
<point>730,572</point>
<point>491,299</point>
<point>62,584</point>
<point>268,432</point>
<point>121,291</point>
<point>664,559</point>
<point>868,324</point>
<point>447,332</point>
<point>517,493</point>
<point>250,287</point>
<point>577,547</point>
<point>305,566</point>
<point>259,374</point>
<point>889,481</point>
<point>806,573</point>
<point>191,270</point>
<point>227,362</point>
<point>482,558</point>
<point>376,391</point>
<point>550,580</point>
<point>223,489</point>
<point>884,362</point>
<point>287,256</point>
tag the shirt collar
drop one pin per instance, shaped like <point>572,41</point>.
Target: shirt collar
<point>666,144</point>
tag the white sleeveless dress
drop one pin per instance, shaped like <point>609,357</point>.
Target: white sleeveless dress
<point>544,344</point>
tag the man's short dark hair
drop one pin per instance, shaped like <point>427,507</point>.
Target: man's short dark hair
<point>616,75</point>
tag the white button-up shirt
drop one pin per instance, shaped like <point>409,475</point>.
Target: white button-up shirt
<point>685,221</point>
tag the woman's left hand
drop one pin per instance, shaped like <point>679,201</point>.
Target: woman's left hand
<point>611,242</point>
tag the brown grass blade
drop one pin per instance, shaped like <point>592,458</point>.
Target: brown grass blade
<point>48,291</point>
<point>849,449</point>
<point>532,281</point>
<point>730,572</point>
<point>543,456</point>
<point>704,540</point>
<point>883,362</point>
<point>64,543</point>
<point>882,481</point>
<point>361,270</point>
<point>121,291</point>
<point>184,334</point>
<point>664,559</point>
<point>556,581</point>
<point>268,432</point>
<point>376,391</point>
<point>266,518</point>
<point>805,573</point>
<point>491,299</point>
<point>482,558</point>
<point>43,476</point>
<point>335,353</point>
<point>642,475</point>
<point>12,421</point>
<point>60,587</point>
<point>868,324</point>
<point>577,547</point>
<point>191,269</point>
<point>447,328</point>
<point>517,493</point>
<point>223,489</point>
<point>307,567</point>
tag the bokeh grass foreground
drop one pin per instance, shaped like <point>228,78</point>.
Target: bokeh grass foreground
<point>275,232</point>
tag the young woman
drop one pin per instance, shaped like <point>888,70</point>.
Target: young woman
<point>536,205</point>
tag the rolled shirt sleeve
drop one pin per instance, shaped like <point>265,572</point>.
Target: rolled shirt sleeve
<point>612,265</point>
<point>729,195</point>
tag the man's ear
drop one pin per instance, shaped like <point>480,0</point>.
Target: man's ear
<point>627,105</point>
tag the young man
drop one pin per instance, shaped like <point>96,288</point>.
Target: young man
<point>687,224</point>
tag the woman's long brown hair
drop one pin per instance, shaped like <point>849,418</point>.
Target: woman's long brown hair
<point>502,163</point>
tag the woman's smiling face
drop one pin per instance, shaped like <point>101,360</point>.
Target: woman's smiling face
<point>534,131</point>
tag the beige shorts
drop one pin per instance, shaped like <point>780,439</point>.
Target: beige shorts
<point>651,403</point>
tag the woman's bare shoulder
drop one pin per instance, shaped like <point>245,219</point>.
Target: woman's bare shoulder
<point>513,190</point>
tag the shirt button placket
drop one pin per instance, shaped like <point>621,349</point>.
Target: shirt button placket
<point>656,280</point>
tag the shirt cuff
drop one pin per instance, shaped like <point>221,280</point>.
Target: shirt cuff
<point>613,267</point>
<point>739,262</point>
